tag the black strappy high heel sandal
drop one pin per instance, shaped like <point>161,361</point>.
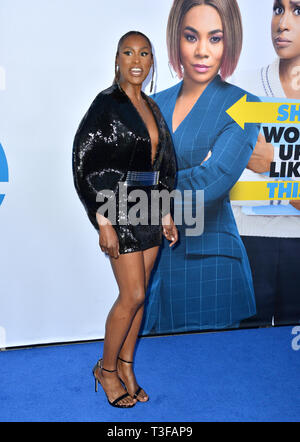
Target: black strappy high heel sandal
<point>135,396</point>
<point>115,402</point>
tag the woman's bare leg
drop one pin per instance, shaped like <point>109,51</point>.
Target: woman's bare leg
<point>129,272</point>
<point>127,351</point>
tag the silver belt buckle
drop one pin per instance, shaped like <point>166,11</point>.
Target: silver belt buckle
<point>137,178</point>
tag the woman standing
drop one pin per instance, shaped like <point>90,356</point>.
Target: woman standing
<point>205,283</point>
<point>123,138</point>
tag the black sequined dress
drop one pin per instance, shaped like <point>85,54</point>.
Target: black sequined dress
<point>111,140</point>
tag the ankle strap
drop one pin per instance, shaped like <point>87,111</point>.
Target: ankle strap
<point>99,363</point>
<point>123,360</point>
<point>105,369</point>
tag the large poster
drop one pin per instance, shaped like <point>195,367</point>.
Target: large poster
<point>55,283</point>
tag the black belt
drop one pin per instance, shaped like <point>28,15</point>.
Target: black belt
<point>134,178</point>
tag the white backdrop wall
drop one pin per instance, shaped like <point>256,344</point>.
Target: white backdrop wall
<point>55,56</point>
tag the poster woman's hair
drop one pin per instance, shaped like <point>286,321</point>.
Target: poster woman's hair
<point>232,27</point>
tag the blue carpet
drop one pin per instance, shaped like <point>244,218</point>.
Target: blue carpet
<point>241,375</point>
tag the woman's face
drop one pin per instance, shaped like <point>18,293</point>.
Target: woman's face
<point>135,60</point>
<point>201,43</point>
<point>286,28</point>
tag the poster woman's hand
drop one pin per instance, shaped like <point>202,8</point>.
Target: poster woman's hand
<point>207,157</point>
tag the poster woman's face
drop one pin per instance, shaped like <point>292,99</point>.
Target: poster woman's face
<point>286,28</point>
<point>135,60</point>
<point>201,43</point>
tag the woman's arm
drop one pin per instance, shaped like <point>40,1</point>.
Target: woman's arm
<point>92,174</point>
<point>167,174</point>
<point>262,157</point>
<point>167,178</point>
<point>168,182</point>
<point>93,164</point>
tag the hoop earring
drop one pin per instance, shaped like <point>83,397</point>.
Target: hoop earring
<point>182,70</point>
<point>152,79</point>
<point>117,72</point>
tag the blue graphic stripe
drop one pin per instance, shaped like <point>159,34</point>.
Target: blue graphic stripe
<point>3,170</point>
<point>3,167</point>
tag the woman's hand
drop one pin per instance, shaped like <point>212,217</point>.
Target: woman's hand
<point>169,229</point>
<point>108,238</point>
<point>207,157</point>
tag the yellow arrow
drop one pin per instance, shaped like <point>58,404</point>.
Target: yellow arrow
<point>243,112</point>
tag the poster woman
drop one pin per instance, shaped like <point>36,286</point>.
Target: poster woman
<point>204,282</point>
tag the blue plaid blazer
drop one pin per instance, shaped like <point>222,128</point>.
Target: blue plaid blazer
<point>206,128</point>
<point>209,128</point>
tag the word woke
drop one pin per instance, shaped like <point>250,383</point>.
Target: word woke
<point>275,134</point>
